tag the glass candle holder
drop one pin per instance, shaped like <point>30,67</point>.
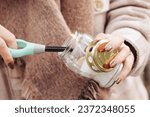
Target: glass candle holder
<point>87,57</point>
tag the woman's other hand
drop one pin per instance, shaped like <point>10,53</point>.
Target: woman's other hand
<point>124,56</point>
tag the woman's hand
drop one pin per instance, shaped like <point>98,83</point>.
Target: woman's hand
<point>124,56</point>
<point>7,39</point>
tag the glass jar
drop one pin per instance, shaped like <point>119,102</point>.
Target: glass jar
<point>86,57</point>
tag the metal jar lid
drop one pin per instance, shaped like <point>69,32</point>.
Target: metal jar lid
<point>98,59</point>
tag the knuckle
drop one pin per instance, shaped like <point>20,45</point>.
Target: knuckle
<point>127,48</point>
<point>12,40</point>
<point>2,44</point>
<point>122,76</point>
<point>8,59</point>
<point>100,35</point>
<point>119,59</point>
<point>13,37</point>
<point>128,66</point>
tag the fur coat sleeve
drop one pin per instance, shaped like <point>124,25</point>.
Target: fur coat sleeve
<point>131,19</point>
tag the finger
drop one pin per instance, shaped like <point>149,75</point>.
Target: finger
<point>104,37</point>
<point>114,43</point>
<point>126,68</point>
<point>4,52</point>
<point>121,56</point>
<point>101,36</point>
<point>9,38</point>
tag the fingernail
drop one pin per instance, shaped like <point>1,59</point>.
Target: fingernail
<point>11,65</point>
<point>118,81</point>
<point>108,47</point>
<point>113,63</point>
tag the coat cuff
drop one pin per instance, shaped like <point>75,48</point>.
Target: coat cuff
<point>139,45</point>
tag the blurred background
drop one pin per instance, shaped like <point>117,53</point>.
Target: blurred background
<point>147,77</point>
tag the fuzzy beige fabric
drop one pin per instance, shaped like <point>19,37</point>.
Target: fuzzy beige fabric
<point>131,19</point>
